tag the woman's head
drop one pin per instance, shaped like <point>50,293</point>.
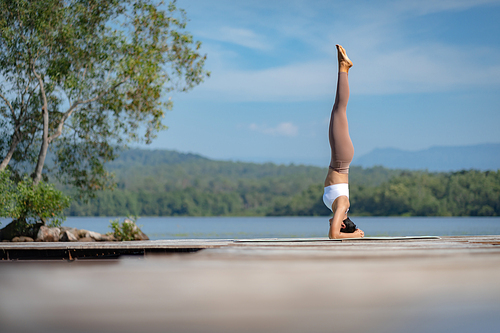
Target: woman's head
<point>348,226</point>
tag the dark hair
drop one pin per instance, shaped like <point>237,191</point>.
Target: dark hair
<point>349,226</point>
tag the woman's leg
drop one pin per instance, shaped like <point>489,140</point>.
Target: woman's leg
<point>340,141</point>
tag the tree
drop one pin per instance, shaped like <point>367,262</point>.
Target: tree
<point>85,77</point>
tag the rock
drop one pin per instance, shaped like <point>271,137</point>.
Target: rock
<point>73,235</point>
<point>82,233</point>
<point>94,235</point>
<point>136,231</point>
<point>86,239</point>
<point>67,236</point>
<point>18,228</point>
<point>108,238</point>
<point>73,231</point>
<point>46,234</point>
<point>22,239</point>
<point>13,230</point>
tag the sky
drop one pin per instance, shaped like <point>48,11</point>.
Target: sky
<point>426,73</point>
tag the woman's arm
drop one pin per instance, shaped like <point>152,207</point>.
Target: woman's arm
<point>340,206</point>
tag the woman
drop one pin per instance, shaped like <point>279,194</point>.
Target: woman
<point>336,196</point>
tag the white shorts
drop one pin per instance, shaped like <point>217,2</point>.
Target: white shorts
<point>332,192</point>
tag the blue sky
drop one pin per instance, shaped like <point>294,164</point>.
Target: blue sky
<point>426,73</point>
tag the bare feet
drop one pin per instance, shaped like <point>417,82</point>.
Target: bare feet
<point>344,62</point>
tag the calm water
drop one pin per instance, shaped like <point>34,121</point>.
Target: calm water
<point>260,227</point>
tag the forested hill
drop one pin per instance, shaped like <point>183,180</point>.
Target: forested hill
<point>168,183</point>
<point>142,157</point>
<point>175,166</point>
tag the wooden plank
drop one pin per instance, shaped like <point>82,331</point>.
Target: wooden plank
<point>177,243</point>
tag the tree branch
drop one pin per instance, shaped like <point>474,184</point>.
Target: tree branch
<point>12,148</point>
<point>16,138</point>
<point>10,105</point>
<point>26,91</point>
<point>72,108</point>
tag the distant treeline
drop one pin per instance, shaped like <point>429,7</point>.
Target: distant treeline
<point>465,193</point>
<point>166,183</point>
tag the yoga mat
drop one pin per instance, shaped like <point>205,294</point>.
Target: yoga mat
<point>325,239</point>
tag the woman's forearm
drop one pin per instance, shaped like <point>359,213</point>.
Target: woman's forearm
<point>336,226</point>
<point>341,235</point>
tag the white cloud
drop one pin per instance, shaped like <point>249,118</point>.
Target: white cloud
<point>428,67</point>
<point>293,82</point>
<point>282,129</point>
<point>433,6</point>
<point>385,61</point>
<point>238,36</point>
<point>416,69</point>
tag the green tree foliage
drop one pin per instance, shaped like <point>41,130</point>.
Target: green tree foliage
<point>30,203</point>
<point>85,77</point>
<point>168,183</point>
<point>7,190</point>
<point>165,183</point>
<point>306,203</point>
<point>464,193</point>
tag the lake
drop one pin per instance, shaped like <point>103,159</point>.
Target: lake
<point>261,227</point>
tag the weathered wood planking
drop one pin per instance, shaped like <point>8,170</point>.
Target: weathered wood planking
<point>80,250</point>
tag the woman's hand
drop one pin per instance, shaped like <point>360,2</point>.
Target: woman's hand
<point>359,233</point>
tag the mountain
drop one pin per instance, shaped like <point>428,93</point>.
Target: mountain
<point>142,157</point>
<point>440,158</point>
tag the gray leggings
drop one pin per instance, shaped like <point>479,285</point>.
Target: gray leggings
<point>340,142</point>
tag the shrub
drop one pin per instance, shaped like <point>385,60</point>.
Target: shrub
<point>31,202</point>
<point>7,194</point>
<point>127,230</point>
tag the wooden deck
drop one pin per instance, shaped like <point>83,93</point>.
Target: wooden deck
<point>113,250</point>
<point>451,284</point>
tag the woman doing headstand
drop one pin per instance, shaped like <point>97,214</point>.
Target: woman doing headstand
<point>336,195</point>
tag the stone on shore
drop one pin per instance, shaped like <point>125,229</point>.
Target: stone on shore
<point>46,234</point>
<point>22,239</point>
<point>86,239</point>
<point>20,231</point>
<point>68,236</point>
<point>73,231</point>
<point>94,235</point>
<point>82,233</point>
<point>108,238</point>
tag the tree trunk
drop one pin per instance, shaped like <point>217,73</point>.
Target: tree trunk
<point>45,139</point>
<point>43,148</point>
<point>13,145</point>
